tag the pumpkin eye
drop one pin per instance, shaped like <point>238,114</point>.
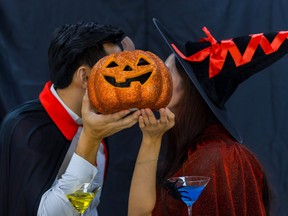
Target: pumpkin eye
<point>112,64</point>
<point>142,62</point>
<point>127,68</point>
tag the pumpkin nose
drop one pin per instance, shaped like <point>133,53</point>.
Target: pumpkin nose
<point>127,68</point>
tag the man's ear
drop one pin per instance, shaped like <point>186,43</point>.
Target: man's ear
<point>82,75</point>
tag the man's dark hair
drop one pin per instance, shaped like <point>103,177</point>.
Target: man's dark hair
<point>73,45</point>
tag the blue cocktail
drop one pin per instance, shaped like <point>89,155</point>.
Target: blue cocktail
<point>190,194</point>
<point>189,188</point>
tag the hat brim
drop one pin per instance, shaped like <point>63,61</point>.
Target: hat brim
<point>220,113</point>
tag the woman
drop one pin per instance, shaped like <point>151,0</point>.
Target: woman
<point>198,145</point>
<point>203,142</point>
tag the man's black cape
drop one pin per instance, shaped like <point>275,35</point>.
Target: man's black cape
<point>32,149</point>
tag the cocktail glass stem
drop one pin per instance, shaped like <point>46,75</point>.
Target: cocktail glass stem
<point>189,210</point>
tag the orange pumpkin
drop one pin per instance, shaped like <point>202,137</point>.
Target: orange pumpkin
<point>130,79</point>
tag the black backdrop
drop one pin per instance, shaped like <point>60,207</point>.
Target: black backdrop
<point>258,107</point>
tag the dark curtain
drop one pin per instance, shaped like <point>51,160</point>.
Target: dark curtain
<point>258,107</point>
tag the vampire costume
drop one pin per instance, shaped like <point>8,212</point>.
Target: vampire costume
<point>34,140</point>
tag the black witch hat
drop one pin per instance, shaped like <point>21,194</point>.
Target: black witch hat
<point>217,67</point>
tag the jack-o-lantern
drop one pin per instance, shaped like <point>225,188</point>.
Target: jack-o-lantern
<point>129,79</point>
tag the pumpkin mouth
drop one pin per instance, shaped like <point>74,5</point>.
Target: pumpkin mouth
<point>142,79</point>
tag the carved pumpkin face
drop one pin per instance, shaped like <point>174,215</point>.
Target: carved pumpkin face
<point>130,79</point>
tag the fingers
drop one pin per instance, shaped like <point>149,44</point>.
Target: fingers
<point>123,119</point>
<point>163,116</point>
<point>85,104</point>
<point>148,119</point>
<point>118,115</point>
<point>170,117</point>
<point>141,122</point>
<point>130,120</point>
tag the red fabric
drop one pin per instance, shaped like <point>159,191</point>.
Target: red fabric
<point>217,52</point>
<point>57,112</point>
<point>235,187</point>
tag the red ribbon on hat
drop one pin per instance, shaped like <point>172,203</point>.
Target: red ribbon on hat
<point>218,51</point>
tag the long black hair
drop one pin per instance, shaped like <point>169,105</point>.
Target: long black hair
<point>187,127</point>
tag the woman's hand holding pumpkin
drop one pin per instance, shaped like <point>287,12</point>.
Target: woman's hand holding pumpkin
<point>152,128</point>
<point>144,173</point>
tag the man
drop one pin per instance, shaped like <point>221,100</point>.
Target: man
<point>41,158</point>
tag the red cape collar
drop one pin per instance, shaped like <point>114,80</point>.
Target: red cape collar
<point>61,117</point>
<point>57,112</point>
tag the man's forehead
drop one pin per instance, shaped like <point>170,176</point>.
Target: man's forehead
<point>111,48</point>
<point>125,44</point>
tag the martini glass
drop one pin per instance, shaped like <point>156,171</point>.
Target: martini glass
<point>189,188</point>
<point>81,198</point>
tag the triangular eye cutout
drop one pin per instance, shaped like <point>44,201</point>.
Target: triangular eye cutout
<point>112,64</point>
<point>127,68</point>
<point>142,62</point>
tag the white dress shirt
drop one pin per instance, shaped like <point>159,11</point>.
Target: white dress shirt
<point>54,201</point>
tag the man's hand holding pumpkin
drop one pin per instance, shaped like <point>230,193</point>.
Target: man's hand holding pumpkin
<point>98,126</point>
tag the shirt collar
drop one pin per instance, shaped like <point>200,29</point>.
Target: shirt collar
<point>57,112</point>
<point>74,116</point>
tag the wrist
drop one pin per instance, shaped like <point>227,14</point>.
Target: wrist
<point>87,147</point>
<point>155,160</point>
<point>149,149</point>
<point>90,135</point>
<point>152,141</point>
